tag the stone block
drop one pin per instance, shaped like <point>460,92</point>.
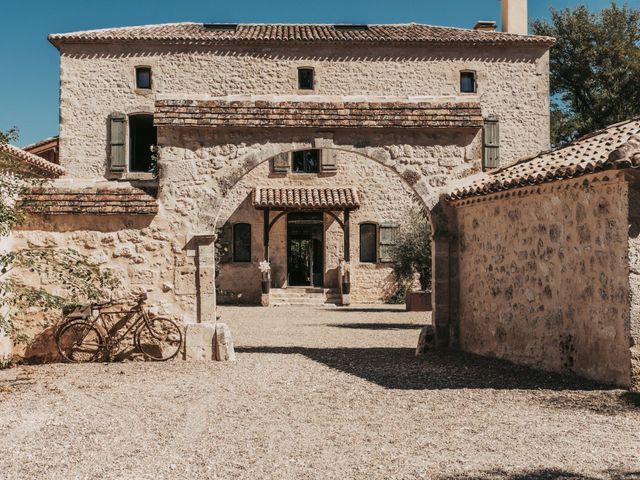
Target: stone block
<point>200,342</point>
<point>225,351</point>
<point>6,350</point>
<point>418,301</point>
<point>426,340</point>
<point>264,300</point>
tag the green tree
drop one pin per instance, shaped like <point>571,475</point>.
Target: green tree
<point>412,254</point>
<point>75,277</point>
<point>595,67</point>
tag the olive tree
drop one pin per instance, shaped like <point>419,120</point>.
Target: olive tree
<point>412,253</point>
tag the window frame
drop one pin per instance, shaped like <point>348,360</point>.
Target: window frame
<point>299,79</point>
<point>305,171</point>
<point>375,242</point>
<point>392,226</point>
<point>234,255</point>
<point>140,68</point>
<point>474,74</point>
<point>129,140</point>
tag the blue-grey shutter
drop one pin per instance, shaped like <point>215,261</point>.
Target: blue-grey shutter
<point>281,163</point>
<point>118,140</point>
<point>388,240</point>
<point>328,160</point>
<point>491,143</point>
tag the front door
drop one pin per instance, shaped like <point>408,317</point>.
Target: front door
<point>305,249</point>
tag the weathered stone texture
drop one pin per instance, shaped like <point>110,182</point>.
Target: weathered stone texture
<point>512,83</point>
<point>543,279</point>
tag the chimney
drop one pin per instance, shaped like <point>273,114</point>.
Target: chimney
<point>486,26</point>
<point>514,17</point>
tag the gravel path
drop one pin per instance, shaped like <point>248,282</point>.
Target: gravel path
<point>314,394</point>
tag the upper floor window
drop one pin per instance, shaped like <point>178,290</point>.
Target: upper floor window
<point>242,242</point>
<point>143,78</point>
<point>306,79</point>
<point>306,161</point>
<point>143,137</point>
<point>468,82</point>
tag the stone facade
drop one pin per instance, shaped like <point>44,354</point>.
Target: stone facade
<point>205,172</point>
<point>385,198</point>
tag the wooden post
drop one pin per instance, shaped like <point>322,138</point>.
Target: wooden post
<point>266,234</point>
<point>345,232</point>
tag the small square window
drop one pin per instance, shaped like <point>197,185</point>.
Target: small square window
<point>306,161</point>
<point>305,79</point>
<point>143,78</point>
<point>468,82</point>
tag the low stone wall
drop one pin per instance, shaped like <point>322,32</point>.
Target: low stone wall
<point>544,278</point>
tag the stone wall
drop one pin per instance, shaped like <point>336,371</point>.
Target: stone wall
<point>97,80</point>
<point>384,197</point>
<point>543,278</point>
<point>634,281</point>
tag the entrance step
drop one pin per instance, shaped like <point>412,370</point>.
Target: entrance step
<point>304,297</point>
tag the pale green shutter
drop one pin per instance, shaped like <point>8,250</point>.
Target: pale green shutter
<point>281,163</point>
<point>117,139</point>
<point>328,160</point>
<point>388,240</point>
<point>491,143</point>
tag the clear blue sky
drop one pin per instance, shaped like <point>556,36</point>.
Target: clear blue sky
<point>29,79</point>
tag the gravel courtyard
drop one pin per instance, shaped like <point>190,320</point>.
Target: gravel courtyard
<point>315,394</point>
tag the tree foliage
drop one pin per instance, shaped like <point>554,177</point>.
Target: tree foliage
<point>412,253</point>
<point>595,67</point>
<point>73,277</point>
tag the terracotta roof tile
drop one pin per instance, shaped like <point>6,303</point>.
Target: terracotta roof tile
<point>615,147</point>
<point>89,201</point>
<point>33,162</point>
<point>198,33</point>
<point>380,113</point>
<point>306,198</point>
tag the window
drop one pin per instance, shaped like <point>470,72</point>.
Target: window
<point>143,137</point>
<point>306,161</point>
<point>388,240</point>
<point>242,242</point>
<point>368,242</point>
<point>143,78</point>
<point>305,79</point>
<point>468,82</point>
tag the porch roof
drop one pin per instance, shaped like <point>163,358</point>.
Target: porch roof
<point>306,198</point>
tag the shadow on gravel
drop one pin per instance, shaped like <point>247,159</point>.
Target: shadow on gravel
<point>398,368</point>
<point>544,474</point>
<point>377,326</point>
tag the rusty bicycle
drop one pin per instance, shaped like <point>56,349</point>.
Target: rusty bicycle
<point>95,332</point>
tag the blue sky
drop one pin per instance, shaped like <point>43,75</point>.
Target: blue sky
<point>29,82</point>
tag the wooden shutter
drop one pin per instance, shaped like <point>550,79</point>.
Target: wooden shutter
<point>223,247</point>
<point>118,139</point>
<point>491,143</point>
<point>388,240</point>
<point>328,160</point>
<point>281,163</point>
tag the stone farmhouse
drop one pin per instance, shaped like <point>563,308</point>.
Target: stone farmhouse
<point>303,145</point>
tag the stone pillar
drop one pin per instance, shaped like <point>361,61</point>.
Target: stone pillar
<point>200,338</point>
<point>440,266</point>
<point>206,285</point>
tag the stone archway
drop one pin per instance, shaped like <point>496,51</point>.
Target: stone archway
<point>443,269</point>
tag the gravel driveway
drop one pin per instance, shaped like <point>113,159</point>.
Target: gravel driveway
<point>315,394</point>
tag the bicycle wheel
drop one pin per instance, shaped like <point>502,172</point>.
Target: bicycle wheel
<point>79,341</point>
<point>159,339</point>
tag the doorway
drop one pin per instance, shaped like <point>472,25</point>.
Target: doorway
<point>305,249</point>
